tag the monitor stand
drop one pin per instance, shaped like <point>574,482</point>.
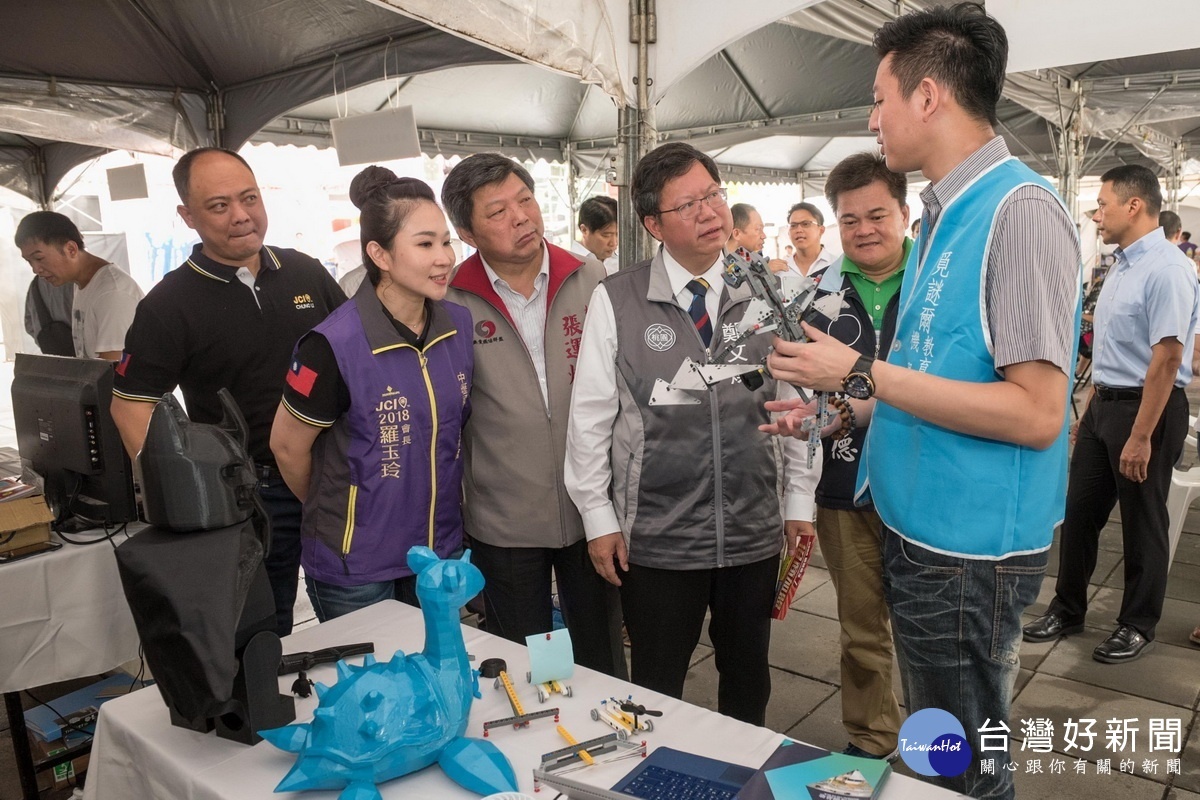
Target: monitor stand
<point>97,514</point>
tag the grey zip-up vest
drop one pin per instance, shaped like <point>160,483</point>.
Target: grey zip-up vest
<point>513,448</point>
<point>693,485</point>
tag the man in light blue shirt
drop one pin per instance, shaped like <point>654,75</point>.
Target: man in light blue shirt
<point>1145,327</point>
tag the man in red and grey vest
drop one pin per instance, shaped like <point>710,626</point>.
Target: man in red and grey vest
<point>527,300</point>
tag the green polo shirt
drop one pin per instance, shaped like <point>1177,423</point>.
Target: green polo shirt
<point>876,296</point>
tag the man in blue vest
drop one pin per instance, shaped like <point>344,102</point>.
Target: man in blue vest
<point>1132,432</point>
<point>966,456</point>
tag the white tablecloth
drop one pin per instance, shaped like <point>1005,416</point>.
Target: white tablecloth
<point>137,753</point>
<point>64,616</point>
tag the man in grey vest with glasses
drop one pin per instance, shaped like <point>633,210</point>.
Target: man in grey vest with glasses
<point>679,502</point>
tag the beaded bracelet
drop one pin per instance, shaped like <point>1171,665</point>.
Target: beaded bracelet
<point>844,413</point>
<point>853,423</point>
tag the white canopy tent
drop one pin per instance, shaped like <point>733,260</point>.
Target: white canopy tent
<point>772,89</point>
<point>82,76</point>
<point>796,81</point>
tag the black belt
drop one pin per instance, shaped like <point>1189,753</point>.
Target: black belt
<point>1107,393</point>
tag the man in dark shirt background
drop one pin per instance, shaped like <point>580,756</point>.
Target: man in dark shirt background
<point>1187,245</point>
<point>228,317</point>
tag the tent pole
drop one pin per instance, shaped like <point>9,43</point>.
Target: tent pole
<point>216,118</point>
<point>1071,153</point>
<point>636,243</point>
<point>636,136</point>
<point>1175,176</point>
<point>38,179</point>
<point>572,190</point>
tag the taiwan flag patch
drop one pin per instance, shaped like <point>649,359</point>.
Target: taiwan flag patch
<point>301,378</point>
<point>123,364</point>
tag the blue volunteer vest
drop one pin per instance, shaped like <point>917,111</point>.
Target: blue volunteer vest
<point>947,491</point>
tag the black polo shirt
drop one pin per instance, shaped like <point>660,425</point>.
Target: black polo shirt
<point>201,328</point>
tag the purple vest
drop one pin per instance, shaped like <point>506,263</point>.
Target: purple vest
<point>388,474</point>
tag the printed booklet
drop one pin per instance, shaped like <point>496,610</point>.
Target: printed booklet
<point>800,772</point>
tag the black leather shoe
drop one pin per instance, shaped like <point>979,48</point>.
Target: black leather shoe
<point>1049,626</point>
<point>1125,644</point>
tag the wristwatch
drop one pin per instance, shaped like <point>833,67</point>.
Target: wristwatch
<point>859,384</point>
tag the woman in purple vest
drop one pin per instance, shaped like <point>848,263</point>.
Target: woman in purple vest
<point>369,432</point>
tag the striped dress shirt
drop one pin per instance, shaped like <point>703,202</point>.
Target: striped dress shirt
<point>1032,269</point>
<point>528,313</point>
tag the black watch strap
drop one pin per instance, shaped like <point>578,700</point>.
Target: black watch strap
<point>858,382</point>
<point>863,365</point>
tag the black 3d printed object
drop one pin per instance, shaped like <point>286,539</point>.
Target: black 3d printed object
<point>195,581</point>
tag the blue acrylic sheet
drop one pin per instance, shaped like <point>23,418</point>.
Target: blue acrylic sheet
<point>551,657</point>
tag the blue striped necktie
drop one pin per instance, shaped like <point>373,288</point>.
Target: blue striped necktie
<point>698,311</point>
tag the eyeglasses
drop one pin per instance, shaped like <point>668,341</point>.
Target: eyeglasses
<point>690,210</point>
<point>805,223</point>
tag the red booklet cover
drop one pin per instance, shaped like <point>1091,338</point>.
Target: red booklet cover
<point>791,570</point>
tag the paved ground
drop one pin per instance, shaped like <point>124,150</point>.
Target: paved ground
<point>1058,680</point>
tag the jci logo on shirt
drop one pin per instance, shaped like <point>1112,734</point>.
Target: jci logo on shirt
<point>303,301</point>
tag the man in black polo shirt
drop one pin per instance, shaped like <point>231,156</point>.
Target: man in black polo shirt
<point>228,317</point>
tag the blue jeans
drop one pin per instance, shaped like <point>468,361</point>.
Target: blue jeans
<point>283,561</point>
<point>330,600</point>
<point>957,629</point>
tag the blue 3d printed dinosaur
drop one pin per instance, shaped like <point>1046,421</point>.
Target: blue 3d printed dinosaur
<point>387,719</point>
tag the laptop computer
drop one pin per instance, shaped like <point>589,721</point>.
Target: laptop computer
<point>668,774</point>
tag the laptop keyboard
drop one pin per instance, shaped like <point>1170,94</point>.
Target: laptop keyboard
<point>656,783</point>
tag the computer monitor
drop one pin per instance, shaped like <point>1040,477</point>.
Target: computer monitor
<point>66,434</point>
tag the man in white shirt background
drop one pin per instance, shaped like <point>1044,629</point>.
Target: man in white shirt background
<point>105,295</point>
<point>806,226</point>
<point>750,233</point>
<point>598,231</point>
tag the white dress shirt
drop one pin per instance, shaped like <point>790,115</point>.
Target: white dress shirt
<point>611,264</point>
<point>823,260</point>
<point>595,404</point>
<point>529,314</point>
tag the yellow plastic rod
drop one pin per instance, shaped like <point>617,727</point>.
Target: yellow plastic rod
<point>583,754</point>
<point>512,695</point>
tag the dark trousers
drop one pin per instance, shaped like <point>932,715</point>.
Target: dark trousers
<point>1096,485</point>
<point>517,604</point>
<point>283,561</point>
<point>664,613</point>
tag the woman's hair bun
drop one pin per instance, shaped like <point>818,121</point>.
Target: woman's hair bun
<point>367,183</point>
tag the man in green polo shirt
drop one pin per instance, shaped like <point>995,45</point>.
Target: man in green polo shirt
<point>872,215</point>
<point>876,284</point>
